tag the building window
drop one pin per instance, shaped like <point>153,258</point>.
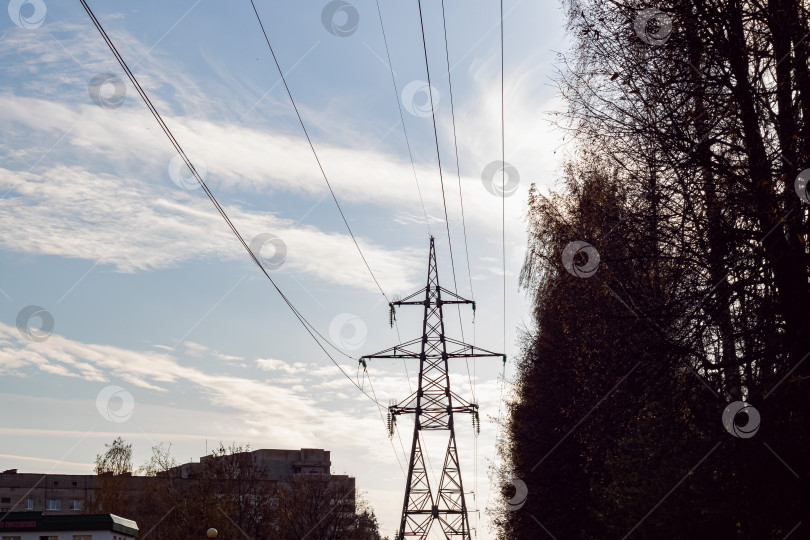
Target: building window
<point>55,483</point>
<point>75,505</point>
<point>75,484</point>
<point>54,504</point>
<point>12,538</point>
<point>48,538</point>
<point>5,499</point>
<point>82,537</point>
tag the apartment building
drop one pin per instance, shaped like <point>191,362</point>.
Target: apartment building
<point>67,494</point>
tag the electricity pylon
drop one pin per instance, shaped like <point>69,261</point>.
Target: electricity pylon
<point>434,405</point>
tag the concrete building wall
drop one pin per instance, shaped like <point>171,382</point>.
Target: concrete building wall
<point>56,494</point>
<point>25,491</point>
<point>284,464</point>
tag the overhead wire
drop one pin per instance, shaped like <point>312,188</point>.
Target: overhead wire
<point>466,249</point>
<point>503,236</point>
<point>312,146</point>
<point>503,208</point>
<point>503,198</point>
<point>438,153</point>
<point>379,409</point>
<point>401,116</point>
<point>455,145</point>
<point>334,197</point>
<point>461,198</point>
<point>174,142</point>
<point>323,172</point>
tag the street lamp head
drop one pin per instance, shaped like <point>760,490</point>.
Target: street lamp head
<point>212,533</point>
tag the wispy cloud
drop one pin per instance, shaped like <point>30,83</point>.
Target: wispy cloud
<point>72,212</point>
<point>273,364</point>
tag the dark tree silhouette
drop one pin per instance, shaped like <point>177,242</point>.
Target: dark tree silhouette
<point>690,123</point>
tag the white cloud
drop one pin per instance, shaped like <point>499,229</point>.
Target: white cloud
<point>198,350</point>
<point>71,212</point>
<point>272,364</point>
<point>298,420</point>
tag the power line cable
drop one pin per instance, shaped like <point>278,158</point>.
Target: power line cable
<point>334,197</point>
<point>503,191</point>
<point>309,328</point>
<point>455,144</point>
<point>436,138</point>
<point>379,409</point>
<point>320,166</point>
<point>466,250</point>
<point>461,198</point>
<point>503,238</point>
<point>312,146</point>
<point>401,116</point>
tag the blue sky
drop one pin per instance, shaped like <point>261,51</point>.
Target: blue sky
<point>163,330</point>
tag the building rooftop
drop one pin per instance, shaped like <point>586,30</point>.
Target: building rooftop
<point>37,521</point>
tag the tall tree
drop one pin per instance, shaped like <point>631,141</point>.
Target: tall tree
<point>692,125</point>
<point>114,475</point>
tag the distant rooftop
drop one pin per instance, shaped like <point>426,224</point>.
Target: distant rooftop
<point>280,464</point>
<point>37,521</point>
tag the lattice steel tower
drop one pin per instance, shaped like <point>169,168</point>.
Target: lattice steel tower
<point>434,405</point>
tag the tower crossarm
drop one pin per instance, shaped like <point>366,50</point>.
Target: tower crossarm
<point>405,350</point>
<point>409,409</point>
<point>465,350</point>
<point>457,299</point>
<point>411,299</point>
